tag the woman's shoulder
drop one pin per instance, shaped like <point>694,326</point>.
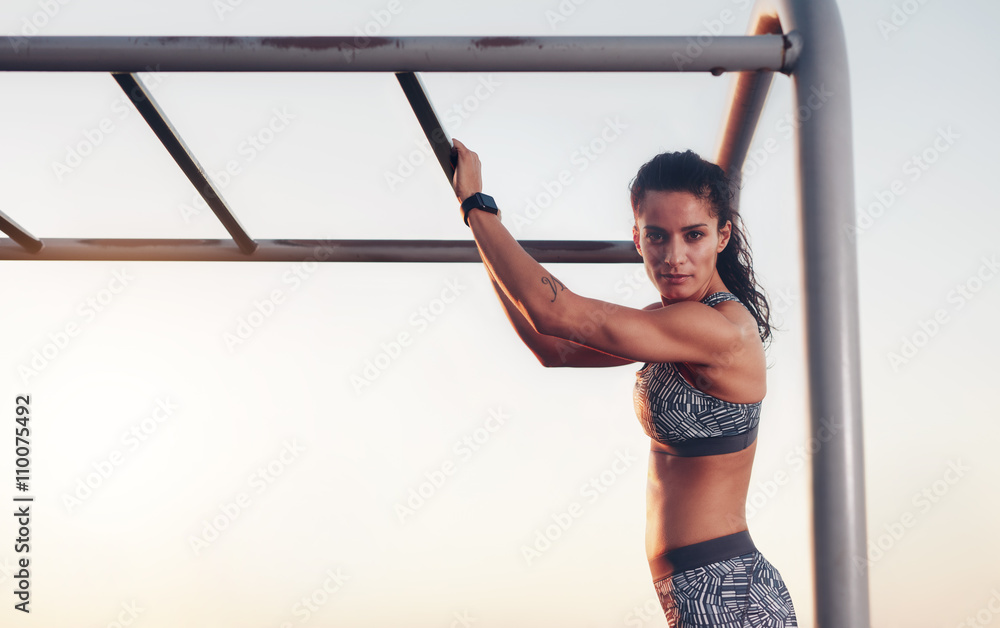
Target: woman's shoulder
<point>711,300</point>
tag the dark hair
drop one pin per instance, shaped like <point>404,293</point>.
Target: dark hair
<point>687,172</point>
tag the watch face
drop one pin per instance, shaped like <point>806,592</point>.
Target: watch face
<point>487,202</point>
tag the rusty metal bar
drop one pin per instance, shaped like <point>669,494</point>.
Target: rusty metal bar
<point>291,250</point>
<point>729,53</point>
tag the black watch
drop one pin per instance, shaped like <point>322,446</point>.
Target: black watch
<point>481,201</point>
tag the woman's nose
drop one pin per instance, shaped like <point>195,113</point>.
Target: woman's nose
<point>672,256</point>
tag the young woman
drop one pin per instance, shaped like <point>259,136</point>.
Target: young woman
<point>699,392</point>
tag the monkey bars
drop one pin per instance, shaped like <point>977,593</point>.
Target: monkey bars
<point>801,38</point>
<point>123,57</point>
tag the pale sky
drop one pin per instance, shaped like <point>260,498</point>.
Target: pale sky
<point>221,444</point>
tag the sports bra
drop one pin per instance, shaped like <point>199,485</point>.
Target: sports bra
<point>687,421</point>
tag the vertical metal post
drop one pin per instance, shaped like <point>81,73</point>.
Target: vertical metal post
<point>826,180</point>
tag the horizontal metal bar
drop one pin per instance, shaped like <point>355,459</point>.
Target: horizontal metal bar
<point>28,242</point>
<point>701,53</point>
<point>429,121</point>
<point>545,251</point>
<point>157,121</point>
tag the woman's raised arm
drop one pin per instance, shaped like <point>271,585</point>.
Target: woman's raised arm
<point>682,332</point>
<point>551,351</point>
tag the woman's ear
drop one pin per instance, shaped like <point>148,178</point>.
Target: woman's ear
<point>724,234</point>
<point>635,238</point>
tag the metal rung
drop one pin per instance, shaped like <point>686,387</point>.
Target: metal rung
<point>157,121</point>
<point>739,53</point>
<point>28,242</point>
<point>461,251</point>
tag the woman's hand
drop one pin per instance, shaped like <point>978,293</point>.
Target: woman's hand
<point>468,172</point>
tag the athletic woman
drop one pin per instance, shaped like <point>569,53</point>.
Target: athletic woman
<point>699,392</point>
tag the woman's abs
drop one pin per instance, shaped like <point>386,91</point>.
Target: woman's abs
<point>694,499</point>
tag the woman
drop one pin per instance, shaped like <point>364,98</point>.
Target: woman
<point>699,392</point>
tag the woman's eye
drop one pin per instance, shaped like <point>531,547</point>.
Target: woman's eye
<point>654,237</point>
<point>695,235</point>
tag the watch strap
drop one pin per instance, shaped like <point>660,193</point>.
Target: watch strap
<point>479,201</point>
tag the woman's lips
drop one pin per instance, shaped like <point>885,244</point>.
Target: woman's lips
<point>675,279</point>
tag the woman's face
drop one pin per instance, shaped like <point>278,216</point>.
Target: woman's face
<point>679,241</point>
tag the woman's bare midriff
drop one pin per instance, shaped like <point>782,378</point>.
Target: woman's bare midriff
<point>694,499</point>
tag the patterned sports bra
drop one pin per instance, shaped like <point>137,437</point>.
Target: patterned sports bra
<point>687,421</point>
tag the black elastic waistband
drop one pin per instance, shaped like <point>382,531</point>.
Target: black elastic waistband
<point>701,554</point>
<point>711,446</point>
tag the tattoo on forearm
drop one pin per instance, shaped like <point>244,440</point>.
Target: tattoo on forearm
<point>552,282</point>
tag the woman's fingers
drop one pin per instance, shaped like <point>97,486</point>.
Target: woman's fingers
<point>468,172</point>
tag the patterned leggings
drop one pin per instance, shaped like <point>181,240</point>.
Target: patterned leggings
<point>743,591</point>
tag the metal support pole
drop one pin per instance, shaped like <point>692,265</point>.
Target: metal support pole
<point>463,251</point>
<point>826,189</point>
<point>28,242</point>
<point>391,54</point>
<point>151,112</point>
<point>746,103</point>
